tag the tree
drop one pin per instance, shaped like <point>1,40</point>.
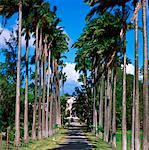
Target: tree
<point>145,77</point>
<point>42,23</point>
<point>114,110</point>
<point>64,78</point>
<point>137,118</point>
<point>101,104</point>
<point>17,115</point>
<point>59,46</point>
<point>90,46</point>
<point>48,91</point>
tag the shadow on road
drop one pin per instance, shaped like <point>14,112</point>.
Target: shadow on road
<point>75,140</point>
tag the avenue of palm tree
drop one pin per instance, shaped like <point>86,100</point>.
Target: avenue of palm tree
<point>109,102</point>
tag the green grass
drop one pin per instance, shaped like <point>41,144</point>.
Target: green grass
<point>3,144</point>
<point>119,139</point>
<point>49,143</point>
<point>99,144</point>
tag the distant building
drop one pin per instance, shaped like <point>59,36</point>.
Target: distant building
<point>71,113</point>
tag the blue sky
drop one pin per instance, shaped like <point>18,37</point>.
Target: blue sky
<point>72,14</point>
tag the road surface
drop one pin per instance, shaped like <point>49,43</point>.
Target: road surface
<point>75,140</point>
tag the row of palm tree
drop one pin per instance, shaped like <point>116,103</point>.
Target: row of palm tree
<point>36,18</point>
<point>101,49</point>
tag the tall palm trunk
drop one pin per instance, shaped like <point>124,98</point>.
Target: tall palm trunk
<point>86,92</point>
<point>59,103</point>
<point>44,92</point>
<point>114,110</point>
<point>137,118</point>
<point>132,147</point>
<point>51,108</point>
<point>107,122</point>
<point>40,85</point>
<point>101,105</point>
<point>55,105</point>
<point>48,92</point>
<point>94,103</point>
<point>133,119</point>
<point>63,82</point>
<point>94,76</point>
<point>26,93</point>
<point>124,129</point>
<point>145,78</point>
<point>54,112</point>
<point>57,93</point>
<point>110,108</point>
<point>17,115</point>
<point>105,113</point>
<point>109,103</point>
<point>36,87</point>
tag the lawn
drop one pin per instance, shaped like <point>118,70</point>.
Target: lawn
<point>119,139</point>
<point>46,144</point>
<point>99,144</point>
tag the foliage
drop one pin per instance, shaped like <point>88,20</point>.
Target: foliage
<point>84,108</point>
<point>7,103</point>
<point>63,107</point>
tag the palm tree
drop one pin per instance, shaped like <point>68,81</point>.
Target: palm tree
<point>38,23</point>
<point>133,119</point>
<point>101,7</point>
<point>26,26</point>
<point>7,10</point>
<point>48,91</point>
<point>64,78</point>
<point>124,129</point>
<point>145,77</point>
<point>27,20</point>
<point>17,115</point>
<point>94,76</point>
<point>124,136</point>
<point>57,91</point>
<point>26,91</point>
<point>89,46</point>
<point>137,119</point>
<point>36,82</point>
<point>114,110</point>
<point>40,84</point>
<point>101,105</point>
<point>44,89</point>
<point>108,105</point>
<point>59,46</point>
<point>51,120</point>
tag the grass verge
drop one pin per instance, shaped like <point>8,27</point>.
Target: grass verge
<point>97,143</point>
<point>119,139</point>
<point>46,144</point>
<point>49,143</point>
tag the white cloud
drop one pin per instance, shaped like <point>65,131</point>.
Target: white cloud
<point>71,73</point>
<point>130,69</point>
<point>5,34</point>
<point>31,41</point>
<point>72,78</point>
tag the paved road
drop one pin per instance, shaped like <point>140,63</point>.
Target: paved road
<point>75,140</point>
